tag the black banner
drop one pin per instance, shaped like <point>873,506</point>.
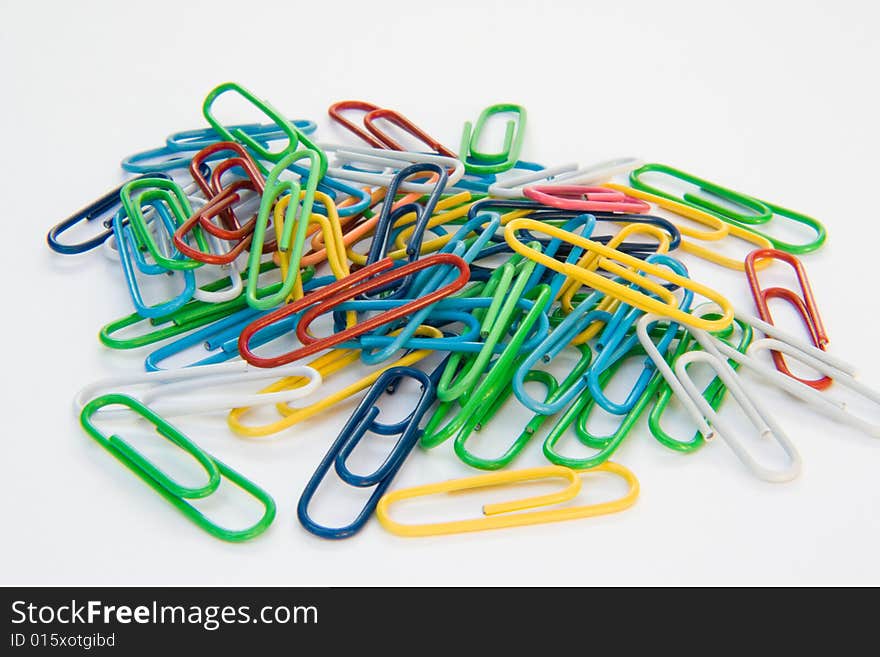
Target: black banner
<point>283,620</point>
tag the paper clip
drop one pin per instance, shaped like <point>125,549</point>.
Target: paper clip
<point>513,186</point>
<point>397,119</point>
<point>220,338</point>
<point>98,208</point>
<point>323,300</point>
<point>387,159</point>
<point>237,159</point>
<point>294,136</point>
<point>507,286</point>
<point>423,283</point>
<point>335,112</point>
<point>201,137</point>
<point>128,251</point>
<point>296,217</point>
<point>173,155</point>
<point>159,190</point>
<point>366,420</point>
<point>584,198</point>
<point>579,411</point>
<point>326,364</point>
<point>626,267</point>
<point>555,391</point>
<point>719,229</point>
<point>804,304</point>
<point>387,218</point>
<point>616,340</point>
<point>221,204</point>
<point>582,316</point>
<point>194,314</point>
<point>839,370</point>
<point>606,444</point>
<point>763,422</point>
<point>329,229</point>
<point>180,392</point>
<point>514,513</point>
<point>378,138</point>
<point>756,211</point>
<point>842,377</point>
<point>709,422</point>
<point>478,402</point>
<point>714,392</point>
<point>479,162</point>
<point>175,493</point>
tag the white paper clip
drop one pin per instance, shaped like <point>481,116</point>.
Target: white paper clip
<point>708,420</point>
<point>819,400</point>
<point>563,174</point>
<point>387,163</point>
<point>181,392</point>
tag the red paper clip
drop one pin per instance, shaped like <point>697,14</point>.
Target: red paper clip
<point>585,198</point>
<point>201,218</point>
<point>335,112</point>
<point>805,305</point>
<point>378,138</point>
<point>240,159</point>
<point>345,289</point>
<point>399,120</point>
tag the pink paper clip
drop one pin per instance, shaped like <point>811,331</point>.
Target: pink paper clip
<point>585,198</point>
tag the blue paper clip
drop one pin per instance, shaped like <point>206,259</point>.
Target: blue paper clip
<point>103,206</point>
<point>617,340</point>
<point>221,337</point>
<point>128,251</point>
<point>480,183</point>
<point>433,280</point>
<point>179,147</point>
<point>201,336</point>
<point>383,232</point>
<point>363,421</point>
<point>193,140</point>
<point>448,311</point>
<point>584,314</point>
<point>330,187</point>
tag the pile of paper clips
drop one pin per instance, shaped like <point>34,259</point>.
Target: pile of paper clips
<point>495,264</point>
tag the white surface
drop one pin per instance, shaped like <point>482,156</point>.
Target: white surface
<point>776,100</point>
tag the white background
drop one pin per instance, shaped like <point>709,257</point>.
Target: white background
<point>778,100</point>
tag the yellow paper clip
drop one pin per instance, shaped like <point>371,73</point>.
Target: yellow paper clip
<point>495,518</point>
<point>331,231</point>
<point>721,229</point>
<point>326,364</point>
<point>590,261</point>
<point>628,268</point>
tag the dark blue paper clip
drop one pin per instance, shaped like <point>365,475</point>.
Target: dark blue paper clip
<point>363,421</point>
<point>102,207</point>
<point>383,231</point>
